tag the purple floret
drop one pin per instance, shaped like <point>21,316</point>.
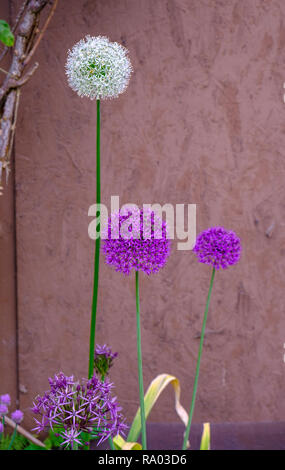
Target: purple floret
<point>5,399</point>
<point>103,359</point>
<point>105,351</point>
<point>17,416</point>
<point>71,408</point>
<point>3,410</point>
<point>218,247</point>
<point>143,246</point>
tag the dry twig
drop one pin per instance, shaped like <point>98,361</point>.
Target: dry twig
<point>27,39</point>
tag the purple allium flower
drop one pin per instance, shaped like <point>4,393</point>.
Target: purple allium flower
<point>5,399</point>
<point>218,247</point>
<point>17,416</point>
<point>3,410</point>
<point>1,427</point>
<point>136,239</point>
<point>71,408</point>
<point>103,359</point>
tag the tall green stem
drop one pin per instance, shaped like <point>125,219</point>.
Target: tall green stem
<point>187,431</point>
<point>97,251</point>
<point>140,370</point>
<point>13,438</point>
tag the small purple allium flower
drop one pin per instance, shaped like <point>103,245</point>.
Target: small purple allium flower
<point>3,410</point>
<point>103,359</point>
<point>219,247</point>
<point>1,427</point>
<point>136,239</point>
<point>71,408</point>
<point>5,399</point>
<point>17,416</point>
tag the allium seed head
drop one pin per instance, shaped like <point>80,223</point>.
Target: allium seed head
<point>98,68</point>
<point>136,239</point>
<point>219,247</point>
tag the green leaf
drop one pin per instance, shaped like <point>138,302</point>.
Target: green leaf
<point>152,394</point>
<point>19,443</point>
<point>205,441</point>
<point>6,35</point>
<point>33,447</point>
<point>121,444</point>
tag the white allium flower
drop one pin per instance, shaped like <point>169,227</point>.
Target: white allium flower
<point>98,68</point>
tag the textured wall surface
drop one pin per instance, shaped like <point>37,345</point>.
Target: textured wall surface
<point>8,320</point>
<point>201,122</point>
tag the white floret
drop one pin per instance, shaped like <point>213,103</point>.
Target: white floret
<point>98,68</point>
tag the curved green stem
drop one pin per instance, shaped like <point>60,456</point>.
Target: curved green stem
<point>97,251</point>
<point>187,431</point>
<point>13,438</point>
<point>140,370</point>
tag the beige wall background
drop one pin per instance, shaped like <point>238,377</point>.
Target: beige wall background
<point>201,122</point>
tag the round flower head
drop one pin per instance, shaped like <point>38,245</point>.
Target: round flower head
<point>5,399</point>
<point>3,410</point>
<point>219,247</point>
<point>103,359</point>
<point>71,408</point>
<point>98,68</point>
<point>17,416</point>
<point>136,239</point>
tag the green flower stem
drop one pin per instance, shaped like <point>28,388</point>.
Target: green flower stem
<point>110,440</point>
<point>13,438</point>
<point>187,431</point>
<point>2,433</point>
<point>97,251</point>
<point>140,370</point>
<point>111,443</point>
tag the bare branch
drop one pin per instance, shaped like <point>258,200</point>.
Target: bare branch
<point>31,53</point>
<point>26,43</point>
<point>13,128</point>
<point>20,13</point>
<point>19,16</point>
<point>25,78</point>
<point>3,71</point>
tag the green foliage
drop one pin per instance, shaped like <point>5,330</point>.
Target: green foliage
<point>6,35</point>
<point>153,392</point>
<point>51,442</point>
<point>19,443</point>
<point>206,437</point>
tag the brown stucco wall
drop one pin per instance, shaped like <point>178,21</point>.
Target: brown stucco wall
<point>8,315</point>
<point>201,122</point>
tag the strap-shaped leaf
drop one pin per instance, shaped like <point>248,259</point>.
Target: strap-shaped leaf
<point>153,392</point>
<point>121,444</point>
<point>206,437</point>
